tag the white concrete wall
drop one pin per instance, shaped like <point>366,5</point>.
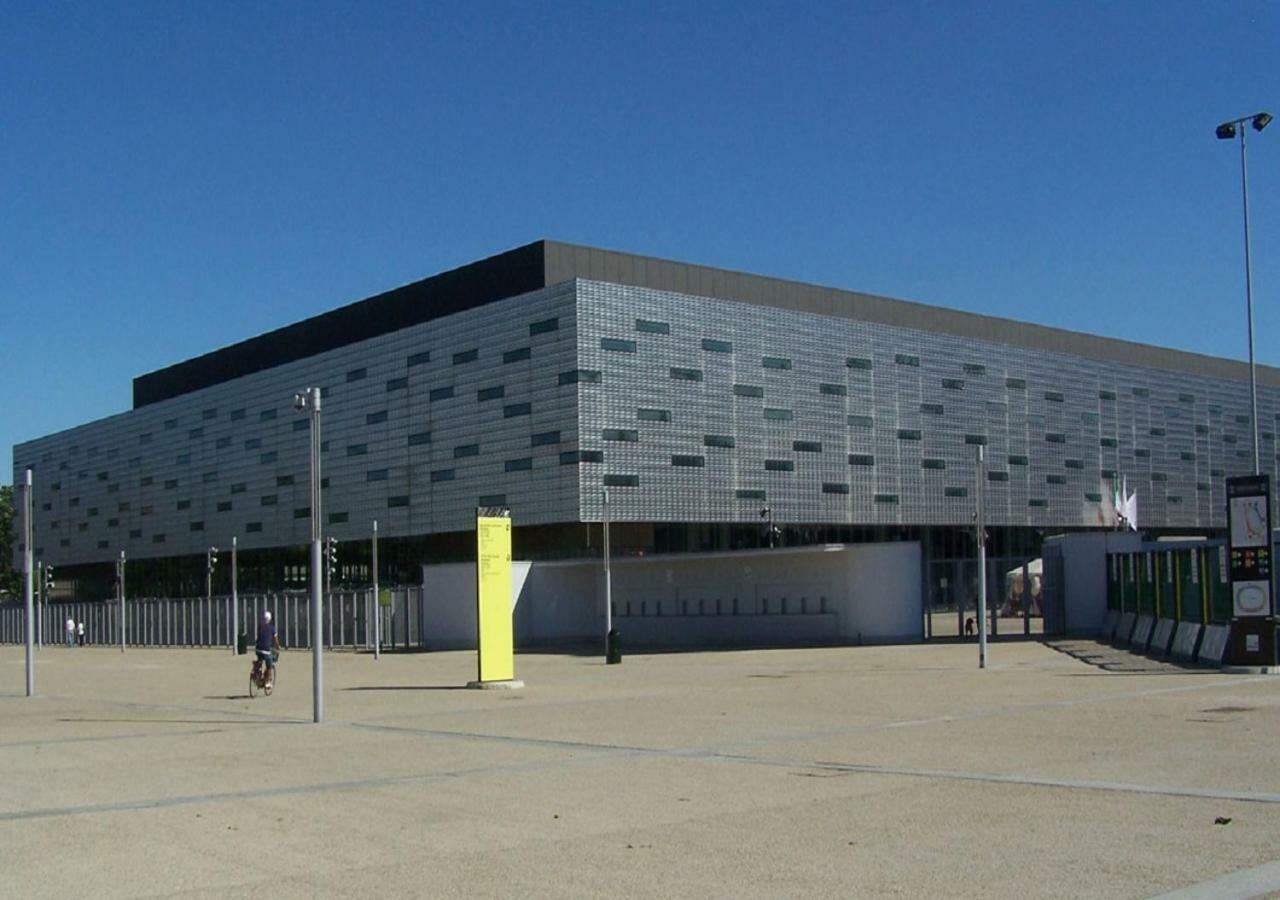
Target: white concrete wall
<point>832,594</point>
<point>566,604</point>
<point>1084,573</point>
<point>885,601</point>
<point>449,602</point>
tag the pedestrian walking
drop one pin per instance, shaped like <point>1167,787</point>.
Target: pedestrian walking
<point>80,633</point>
<point>71,630</point>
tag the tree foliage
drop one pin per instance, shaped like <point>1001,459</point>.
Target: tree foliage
<point>10,583</point>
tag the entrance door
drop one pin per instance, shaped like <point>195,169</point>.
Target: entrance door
<point>953,597</point>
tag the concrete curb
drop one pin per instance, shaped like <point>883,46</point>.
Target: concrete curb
<point>512,685</point>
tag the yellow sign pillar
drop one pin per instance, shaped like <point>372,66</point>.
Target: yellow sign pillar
<point>495,642</point>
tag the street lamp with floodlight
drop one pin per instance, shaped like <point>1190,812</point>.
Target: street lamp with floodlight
<point>1225,132</point>
<point>308,401</point>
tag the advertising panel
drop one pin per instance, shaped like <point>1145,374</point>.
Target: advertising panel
<point>494,641</point>
<point>1249,526</point>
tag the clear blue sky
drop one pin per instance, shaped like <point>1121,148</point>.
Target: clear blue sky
<point>179,176</point>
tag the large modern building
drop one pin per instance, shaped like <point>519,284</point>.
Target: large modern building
<point>708,403</point>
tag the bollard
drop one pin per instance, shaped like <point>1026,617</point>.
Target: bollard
<point>613,648</point>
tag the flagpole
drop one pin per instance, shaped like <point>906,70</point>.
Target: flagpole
<point>1117,505</point>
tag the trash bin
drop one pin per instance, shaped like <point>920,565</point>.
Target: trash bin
<point>242,643</point>
<point>613,648</point>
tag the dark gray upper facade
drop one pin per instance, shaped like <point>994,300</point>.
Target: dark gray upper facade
<point>546,263</point>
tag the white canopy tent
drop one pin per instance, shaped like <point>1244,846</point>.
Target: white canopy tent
<point>1016,592</point>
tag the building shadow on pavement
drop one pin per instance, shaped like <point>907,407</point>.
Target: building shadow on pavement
<point>407,687</point>
<point>1122,661</point>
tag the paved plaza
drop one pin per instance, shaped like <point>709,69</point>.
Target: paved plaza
<point>853,771</point>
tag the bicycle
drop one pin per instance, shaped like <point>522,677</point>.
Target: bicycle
<point>258,674</point>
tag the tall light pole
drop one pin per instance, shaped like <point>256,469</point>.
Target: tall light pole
<point>608,581</point>
<point>1226,131</point>
<point>982,560</point>
<point>28,586</point>
<point>235,599</point>
<point>377,606</point>
<point>308,401</point>
<point>120,585</point>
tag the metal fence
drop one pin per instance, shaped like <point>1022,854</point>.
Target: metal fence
<point>208,622</point>
<point>1167,581</point>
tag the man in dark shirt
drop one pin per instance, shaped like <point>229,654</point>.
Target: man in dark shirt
<point>267,642</point>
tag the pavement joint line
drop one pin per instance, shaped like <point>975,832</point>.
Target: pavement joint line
<point>702,754</point>
<point>760,741</point>
<point>1240,885</point>
<point>232,714</point>
<point>235,717</point>
<point>991,712</point>
<point>1035,781</point>
<point>36,742</point>
<point>222,797</point>
<point>284,791</point>
<point>504,738</point>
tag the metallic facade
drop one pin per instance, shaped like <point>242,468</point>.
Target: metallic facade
<point>685,407</point>
<point>839,421</point>
<point>419,427</point>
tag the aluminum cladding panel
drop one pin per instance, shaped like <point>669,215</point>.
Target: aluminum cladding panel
<point>176,476</point>
<point>708,410</point>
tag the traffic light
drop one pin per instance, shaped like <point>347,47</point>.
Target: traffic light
<point>331,556</point>
<point>771,532</point>
<point>48,581</point>
<point>212,558</point>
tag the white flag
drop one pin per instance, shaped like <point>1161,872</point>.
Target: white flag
<point>1131,511</point>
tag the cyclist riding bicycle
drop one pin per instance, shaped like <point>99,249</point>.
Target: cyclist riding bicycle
<point>267,647</point>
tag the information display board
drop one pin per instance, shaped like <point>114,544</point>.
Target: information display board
<point>1249,560</point>
<point>495,641</point>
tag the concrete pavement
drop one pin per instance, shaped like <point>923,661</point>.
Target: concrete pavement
<point>867,771</point>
